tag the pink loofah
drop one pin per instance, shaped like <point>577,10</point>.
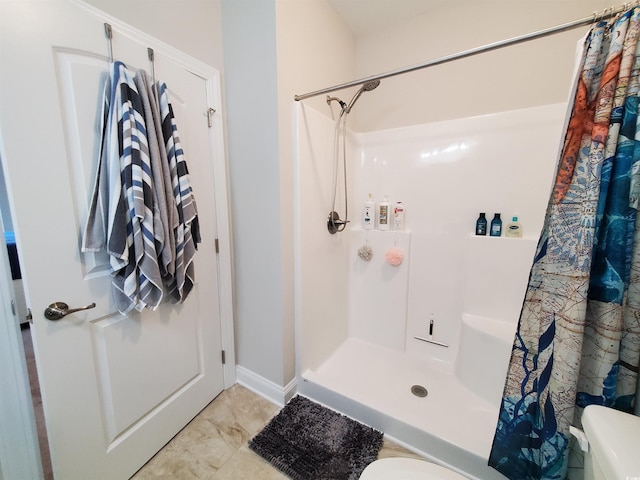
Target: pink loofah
<point>394,256</point>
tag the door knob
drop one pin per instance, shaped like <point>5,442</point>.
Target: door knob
<point>57,310</point>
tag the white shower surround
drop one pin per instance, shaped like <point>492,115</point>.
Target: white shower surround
<point>356,322</point>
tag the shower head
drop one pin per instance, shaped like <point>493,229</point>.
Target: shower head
<point>366,87</point>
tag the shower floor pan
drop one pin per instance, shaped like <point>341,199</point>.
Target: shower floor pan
<point>451,425</point>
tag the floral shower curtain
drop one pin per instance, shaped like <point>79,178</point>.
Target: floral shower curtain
<point>578,337</point>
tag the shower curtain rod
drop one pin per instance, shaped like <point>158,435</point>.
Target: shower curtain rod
<point>606,14</point>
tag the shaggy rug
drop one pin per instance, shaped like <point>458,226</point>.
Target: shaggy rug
<point>307,441</point>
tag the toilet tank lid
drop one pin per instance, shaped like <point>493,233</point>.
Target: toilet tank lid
<point>613,438</point>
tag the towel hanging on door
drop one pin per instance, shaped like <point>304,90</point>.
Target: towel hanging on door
<point>187,233</point>
<point>137,215</point>
<point>165,211</point>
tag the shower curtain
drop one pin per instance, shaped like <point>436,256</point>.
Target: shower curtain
<point>578,336</point>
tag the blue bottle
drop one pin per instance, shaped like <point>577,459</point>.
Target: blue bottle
<point>481,225</point>
<point>496,226</point>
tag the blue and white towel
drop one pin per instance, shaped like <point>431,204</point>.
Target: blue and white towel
<point>166,211</point>
<point>121,217</point>
<point>187,232</point>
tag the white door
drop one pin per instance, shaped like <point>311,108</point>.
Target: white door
<point>115,389</point>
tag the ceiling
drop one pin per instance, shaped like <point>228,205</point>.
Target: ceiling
<point>364,16</point>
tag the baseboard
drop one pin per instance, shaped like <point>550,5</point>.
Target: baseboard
<point>266,388</point>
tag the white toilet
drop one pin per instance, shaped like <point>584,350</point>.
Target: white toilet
<point>407,469</point>
<point>610,442</point>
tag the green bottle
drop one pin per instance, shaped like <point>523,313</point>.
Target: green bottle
<point>496,226</point>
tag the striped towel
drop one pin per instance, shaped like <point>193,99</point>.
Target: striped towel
<point>187,232</point>
<point>106,227</point>
<point>128,219</point>
<point>165,213</point>
<point>143,283</point>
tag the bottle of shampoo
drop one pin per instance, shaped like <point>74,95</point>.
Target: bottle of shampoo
<point>481,225</point>
<point>383,214</point>
<point>514,229</point>
<point>496,226</point>
<point>398,216</point>
<point>369,214</point>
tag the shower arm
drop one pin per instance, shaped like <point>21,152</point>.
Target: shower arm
<point>336,99</point>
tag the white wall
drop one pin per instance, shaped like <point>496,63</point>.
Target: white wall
<point>314,48</point>
<point>271,49</point>
<point>445,173</point>
<point>521,76</point>
<point>252,119</point>
<point>193,26</point>
<point>322,258</point>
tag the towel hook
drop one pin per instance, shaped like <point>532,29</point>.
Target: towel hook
<point>152,57</point>
<point>108,31</point>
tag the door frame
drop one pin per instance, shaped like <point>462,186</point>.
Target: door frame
<point>19,449</point>
<point>217,146</point>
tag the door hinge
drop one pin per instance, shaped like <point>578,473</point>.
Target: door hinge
<point>224,357</point>
<point>13,307</point>
<point>217,243</point>
<point>210,113</point>
<point>29,316</point>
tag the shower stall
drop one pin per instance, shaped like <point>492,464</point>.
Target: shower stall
<point>420,350</point>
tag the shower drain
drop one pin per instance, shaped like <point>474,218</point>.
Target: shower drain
<point>419,391</point>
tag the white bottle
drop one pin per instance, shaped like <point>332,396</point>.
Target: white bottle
<point>514,229</point>
<point>383,215</point>
<point>369,214</point>
<point>398,216</point>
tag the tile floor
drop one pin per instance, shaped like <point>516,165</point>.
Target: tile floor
<point>214,444</point>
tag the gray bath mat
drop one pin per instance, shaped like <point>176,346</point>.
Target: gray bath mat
<point>307,441</point>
